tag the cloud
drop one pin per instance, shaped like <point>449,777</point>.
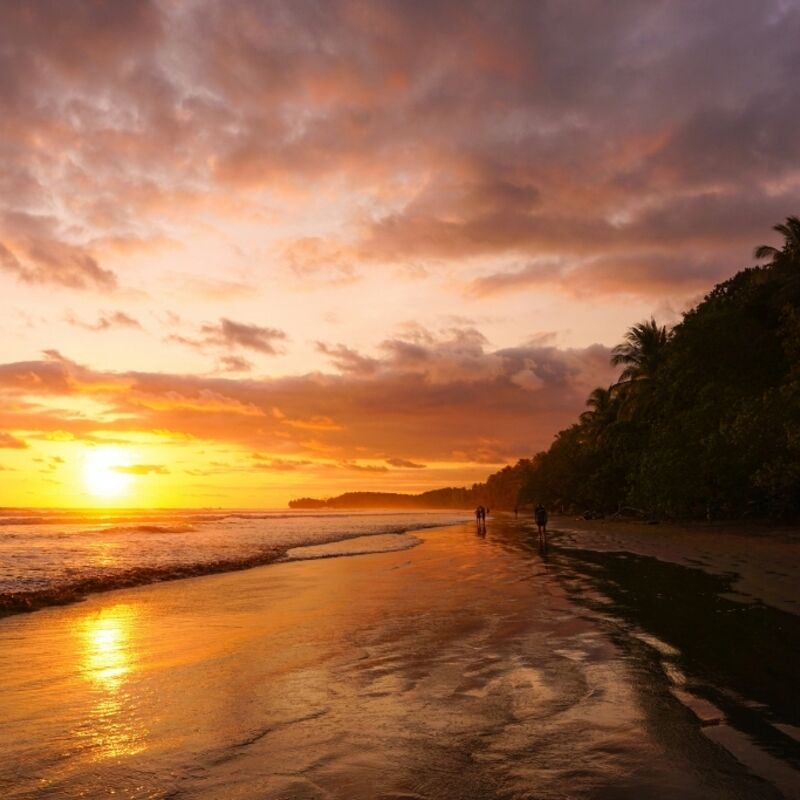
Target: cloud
<point>317,422</point>
<point>279,464</point>
<point>532,131</point>
<point>345,359</point>
<point>434,397</point>
<point>403,463</point>
<point>114,319</point>
<point>142,469</point>
<point>589,150</point>
<point>234,364</point>
<point>353,466</point>
<point>230,334</point>
<point>7,441</point>
<point>237,334</point>
<point>652,274</point>
<point>47,260</point>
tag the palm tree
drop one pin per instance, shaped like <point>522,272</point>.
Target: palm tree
<point>642,351</point>
<point>599,402</point>
<point>602,411</point>
<point>790,230</point>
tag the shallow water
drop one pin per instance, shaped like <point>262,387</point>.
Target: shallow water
<point>471,666</point>
<point>50,557</point>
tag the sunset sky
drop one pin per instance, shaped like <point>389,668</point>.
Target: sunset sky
<point>251,251</point>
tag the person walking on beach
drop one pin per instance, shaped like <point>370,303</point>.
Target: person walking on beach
<point>540,515</point>
<point>480,518</point>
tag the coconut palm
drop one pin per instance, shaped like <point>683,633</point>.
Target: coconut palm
<point>790,230</point>
<point>642,351</point>
<point>599,403</point>
<point>600,414</point>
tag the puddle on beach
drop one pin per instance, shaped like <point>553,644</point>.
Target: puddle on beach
<point>470,666</point>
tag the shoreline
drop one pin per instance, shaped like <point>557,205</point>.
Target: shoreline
<point>622,535</point>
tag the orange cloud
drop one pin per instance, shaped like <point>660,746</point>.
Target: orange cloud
<point>430,396</point>
<point>8,441</point>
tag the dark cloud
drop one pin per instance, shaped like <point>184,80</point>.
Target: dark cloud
<point>345,359</point>
<point>237,334</point>
<point>234,364</point>
<point>230,334</point>
<point>532,130</point>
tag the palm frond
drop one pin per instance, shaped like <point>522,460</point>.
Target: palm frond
<point>765,251</point>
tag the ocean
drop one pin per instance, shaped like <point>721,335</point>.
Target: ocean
<point>56,556</point>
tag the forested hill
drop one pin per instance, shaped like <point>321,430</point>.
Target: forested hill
<point>704,420</point>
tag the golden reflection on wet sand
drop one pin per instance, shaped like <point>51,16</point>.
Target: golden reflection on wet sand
<point>106,642</point>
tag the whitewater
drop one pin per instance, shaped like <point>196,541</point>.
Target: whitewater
<point>51,557</point>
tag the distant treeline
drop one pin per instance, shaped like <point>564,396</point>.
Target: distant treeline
<point>703,422</point>
<point>437,498</point>
<point>501,490</point>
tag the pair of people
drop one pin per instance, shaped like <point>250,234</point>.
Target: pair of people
<point>480,514</point>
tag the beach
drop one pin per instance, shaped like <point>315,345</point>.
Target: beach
<point>464,665</point>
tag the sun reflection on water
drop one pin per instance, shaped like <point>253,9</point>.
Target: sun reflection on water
<point>104,553</point>
<point>108,663</point>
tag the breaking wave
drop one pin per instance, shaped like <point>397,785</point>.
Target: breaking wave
<point>46,564</point>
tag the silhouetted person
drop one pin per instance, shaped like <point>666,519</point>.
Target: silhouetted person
<point>516,512</point>
<point>540,515</point>
<point>480,518</point>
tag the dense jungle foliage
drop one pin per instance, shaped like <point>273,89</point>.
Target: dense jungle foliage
<point>704,421</point>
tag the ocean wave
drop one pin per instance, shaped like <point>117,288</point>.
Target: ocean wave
<point>357,546</point>
<point>77,587</point>
<point>74,591</point>
<point>146,528</point>
<point>23,521</point>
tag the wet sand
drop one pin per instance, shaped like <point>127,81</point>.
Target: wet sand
<point>469,666</point>
<point>764,562</point>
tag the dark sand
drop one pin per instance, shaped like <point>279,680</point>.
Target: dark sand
<point>467,667</point>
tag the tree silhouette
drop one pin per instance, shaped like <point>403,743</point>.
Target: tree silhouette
<point>602,411</point>
<point>642,351</point>
<point>790,230</point>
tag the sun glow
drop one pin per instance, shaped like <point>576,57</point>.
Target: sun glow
<point>103,472</point>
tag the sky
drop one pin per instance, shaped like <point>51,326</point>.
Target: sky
<point>252,251</point>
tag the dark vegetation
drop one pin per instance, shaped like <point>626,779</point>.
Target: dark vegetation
<point>703,422</point>
<point>437,498</point>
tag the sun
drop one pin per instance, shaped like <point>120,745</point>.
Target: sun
<point>103,471</point>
